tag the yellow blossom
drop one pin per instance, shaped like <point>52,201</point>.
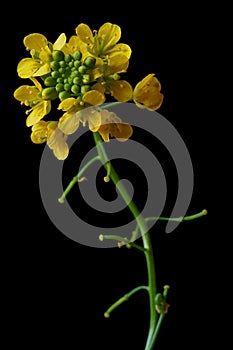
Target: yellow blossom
<point>70,120</point>
<point>110,83</point>
<point>40,50</point>
<point>47,131</point>
<point>112,126</point>
<point>104,41</point>
<point>147,93</point>
<point>31,96</point>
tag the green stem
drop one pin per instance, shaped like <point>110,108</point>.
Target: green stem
<point>164,218</point>
<point>145,237</point>
<point>77,178</point>
<point>182,218</point>
<point>156,332</point>
<point>123,299</point>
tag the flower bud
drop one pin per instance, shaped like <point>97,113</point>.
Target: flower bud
<point>49,93</point>
<point>57,55</point>
<point>50,81</point>
<point>82,69</point>
<point>75,89</point>
<point>86,78</point>
<point>85,88</point>
<point>77,55</point>
<point>90,61</point>
<point>63,95</point>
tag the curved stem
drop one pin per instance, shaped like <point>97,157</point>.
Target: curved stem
<point>77,178</point>
<point>145,237</point>
<point>156,332</point>
<point>123,299</point>
<point>180,219</point>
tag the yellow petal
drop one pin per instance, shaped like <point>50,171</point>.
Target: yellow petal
<point>110,33</point>
<point>85,33</point>
<point>44,69</point>
<point>25,93</point>
<point>57,143</point>
<point>122,131</point>
<point>147,93</point>
<point>35,42</point>
<point>94,120</point>
<point>117,63</point>
<point>104,131</point>
<point>60,42</point>
<point>93,97</point>
<point>39,132</point>
<point>68,104</point>
<point>75,44</point>
<point>151,102</point>
<point>99,87</point>
<point>120,89</point>
<point>45,55</point>
<point>68,124</point>
<point>123,49</point>
<point>38,112</point>
<point>27,67</point>
<point>36,82</point>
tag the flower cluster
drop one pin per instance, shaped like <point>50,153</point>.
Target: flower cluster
<point>78,73</point>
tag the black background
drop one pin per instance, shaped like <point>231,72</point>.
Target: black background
<point>57,290</point>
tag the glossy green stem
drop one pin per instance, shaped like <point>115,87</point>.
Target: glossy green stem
<point>144,233</point>
<point>77,178</point>
<point>123,299</point>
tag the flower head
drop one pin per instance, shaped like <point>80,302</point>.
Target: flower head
<point>147,93</point>
<point>80,73</point>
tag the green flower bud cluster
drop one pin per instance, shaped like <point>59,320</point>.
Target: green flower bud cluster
<point>69,76</point>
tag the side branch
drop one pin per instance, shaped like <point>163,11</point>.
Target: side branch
<point>122,300</point>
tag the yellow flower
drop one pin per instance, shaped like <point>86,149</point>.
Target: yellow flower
<point>112,125</point>
<point>70,120</point>
<point>31,96</point>
<point>40,50</point>
<point>147,93</point>
<point>111,56</point>
<point>104,41</point>
<point>110,82</point>
<point>47,131</point>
